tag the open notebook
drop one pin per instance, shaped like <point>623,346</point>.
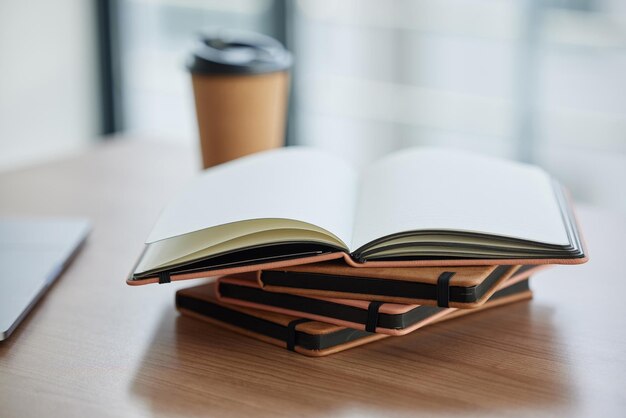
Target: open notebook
<point>414,207</point>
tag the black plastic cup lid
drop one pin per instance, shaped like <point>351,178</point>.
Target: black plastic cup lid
<point>235,52</point>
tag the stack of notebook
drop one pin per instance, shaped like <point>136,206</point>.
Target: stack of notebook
<point>316,257</point>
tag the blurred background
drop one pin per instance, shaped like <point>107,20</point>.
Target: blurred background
<point>537,81</point>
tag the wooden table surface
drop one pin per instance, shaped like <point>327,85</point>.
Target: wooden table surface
<point>97,347</point>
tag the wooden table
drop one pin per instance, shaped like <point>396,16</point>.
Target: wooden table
<point>97,347</point>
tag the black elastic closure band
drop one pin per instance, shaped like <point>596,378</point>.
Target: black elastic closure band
<point>372,316</point>
<point>291,332</point>
<point>164,277</point>
<point>443,289</point>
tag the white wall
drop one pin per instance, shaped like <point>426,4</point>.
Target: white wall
<point>494,76</point>
<point>48,79</point>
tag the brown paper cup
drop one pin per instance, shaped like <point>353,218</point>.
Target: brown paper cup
<point>241,84</point>
<point>240,114</point>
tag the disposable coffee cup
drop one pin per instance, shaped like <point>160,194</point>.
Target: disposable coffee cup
<point>241,85</point>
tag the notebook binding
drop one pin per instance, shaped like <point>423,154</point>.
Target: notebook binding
<point>164,277</point>
<point>291,332</point>
<point>372,316</point>
<point>443,289</point>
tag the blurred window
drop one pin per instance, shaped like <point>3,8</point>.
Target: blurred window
<point>538,81</point>
<point>48,80</point>
<point>155,38</point>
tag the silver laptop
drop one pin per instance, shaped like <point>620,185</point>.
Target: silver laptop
<point>33,253</point>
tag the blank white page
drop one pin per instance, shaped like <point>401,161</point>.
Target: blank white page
<point>444,189</point>
<point>296,183</point>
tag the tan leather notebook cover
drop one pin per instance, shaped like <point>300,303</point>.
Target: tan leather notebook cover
<point>311,338</point>
<point>457,287</point>
<point>372,316</point>
<point>349,262</point>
